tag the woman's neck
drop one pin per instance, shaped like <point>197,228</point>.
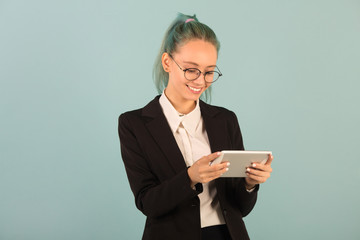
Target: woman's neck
<point>181,105</point>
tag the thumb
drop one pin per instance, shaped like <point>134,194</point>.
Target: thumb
<point>270,159</point>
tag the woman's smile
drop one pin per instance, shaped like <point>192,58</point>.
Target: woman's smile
<point>194,89</point>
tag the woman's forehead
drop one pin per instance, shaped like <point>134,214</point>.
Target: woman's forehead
<point>197,52</point>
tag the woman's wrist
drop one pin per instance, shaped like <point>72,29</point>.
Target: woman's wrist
<point>192,183</point>
<point>249,186</point>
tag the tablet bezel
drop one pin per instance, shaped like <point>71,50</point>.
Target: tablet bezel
<point>240,160</point>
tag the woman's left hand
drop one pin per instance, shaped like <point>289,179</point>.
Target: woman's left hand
<point>258,173</point>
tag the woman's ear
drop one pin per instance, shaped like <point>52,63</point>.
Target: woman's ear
<point>165,60</point>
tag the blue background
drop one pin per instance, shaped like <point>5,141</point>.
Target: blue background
<point>69,68</point>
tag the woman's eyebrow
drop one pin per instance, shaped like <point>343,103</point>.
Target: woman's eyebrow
<point>198,64</point>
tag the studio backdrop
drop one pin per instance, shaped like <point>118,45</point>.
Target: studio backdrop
<point>68,69</point>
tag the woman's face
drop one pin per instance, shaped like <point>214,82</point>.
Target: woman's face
<point>194,54</point>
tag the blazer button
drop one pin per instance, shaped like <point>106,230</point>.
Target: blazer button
<point>193,205</point>
<point>224,211</point>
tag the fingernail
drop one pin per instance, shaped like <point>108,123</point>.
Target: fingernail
<point>254,165</point>
<point>228,164</point>
<point>227,169</point>
<point>248,169</point>
<point>219,153</point>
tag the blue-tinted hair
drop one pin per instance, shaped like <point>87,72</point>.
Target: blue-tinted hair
<point>178,34</point>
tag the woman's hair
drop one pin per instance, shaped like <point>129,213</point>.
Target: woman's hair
<point>183,29</point>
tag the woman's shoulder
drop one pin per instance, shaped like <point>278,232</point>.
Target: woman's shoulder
<point>151,108</point>
<point>217,111</point>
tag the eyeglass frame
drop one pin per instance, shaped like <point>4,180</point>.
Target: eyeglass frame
<point>201,73</point>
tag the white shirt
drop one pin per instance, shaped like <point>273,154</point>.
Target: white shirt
<point>192,140</point>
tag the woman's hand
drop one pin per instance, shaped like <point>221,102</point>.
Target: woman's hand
<point>258,173</point>
<point>202,172</point>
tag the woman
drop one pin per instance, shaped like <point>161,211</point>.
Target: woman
<point>168,145</point>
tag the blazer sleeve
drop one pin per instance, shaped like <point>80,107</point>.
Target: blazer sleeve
<point>244,199</point>
<point>153,197</point>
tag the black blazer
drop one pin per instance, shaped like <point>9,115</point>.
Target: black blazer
<point>158,176</point>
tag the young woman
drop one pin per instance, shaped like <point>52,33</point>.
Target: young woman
<point>168,145</point>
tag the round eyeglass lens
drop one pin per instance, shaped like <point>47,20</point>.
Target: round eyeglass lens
<point>211,76</point>
<point>192,74</point>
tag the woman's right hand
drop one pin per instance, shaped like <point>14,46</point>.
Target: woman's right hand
<point>202,171</point>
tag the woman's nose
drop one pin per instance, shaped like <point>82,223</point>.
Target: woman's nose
<point>200,81</point>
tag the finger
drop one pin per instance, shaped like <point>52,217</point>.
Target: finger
<point>259,166</point>
<point>212,178</point>
<point>219,173</point>
<point>219,166</point>
<point>211,157</point>
<point>256,178</point>
<point>214,171</point>
<point>207,177</point>
<point>258,173</point>
<point>270,159</point>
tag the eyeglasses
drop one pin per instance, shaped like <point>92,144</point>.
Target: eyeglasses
<point>191,74</point>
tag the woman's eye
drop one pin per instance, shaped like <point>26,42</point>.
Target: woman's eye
<point>193,71</point>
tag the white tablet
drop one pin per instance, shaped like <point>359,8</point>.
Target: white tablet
<point>240,160</point>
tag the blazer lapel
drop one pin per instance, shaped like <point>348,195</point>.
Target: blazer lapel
<point>162,134</point>
<point>215,128</point>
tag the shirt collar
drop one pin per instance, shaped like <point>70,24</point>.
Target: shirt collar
<point>190,121</point>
